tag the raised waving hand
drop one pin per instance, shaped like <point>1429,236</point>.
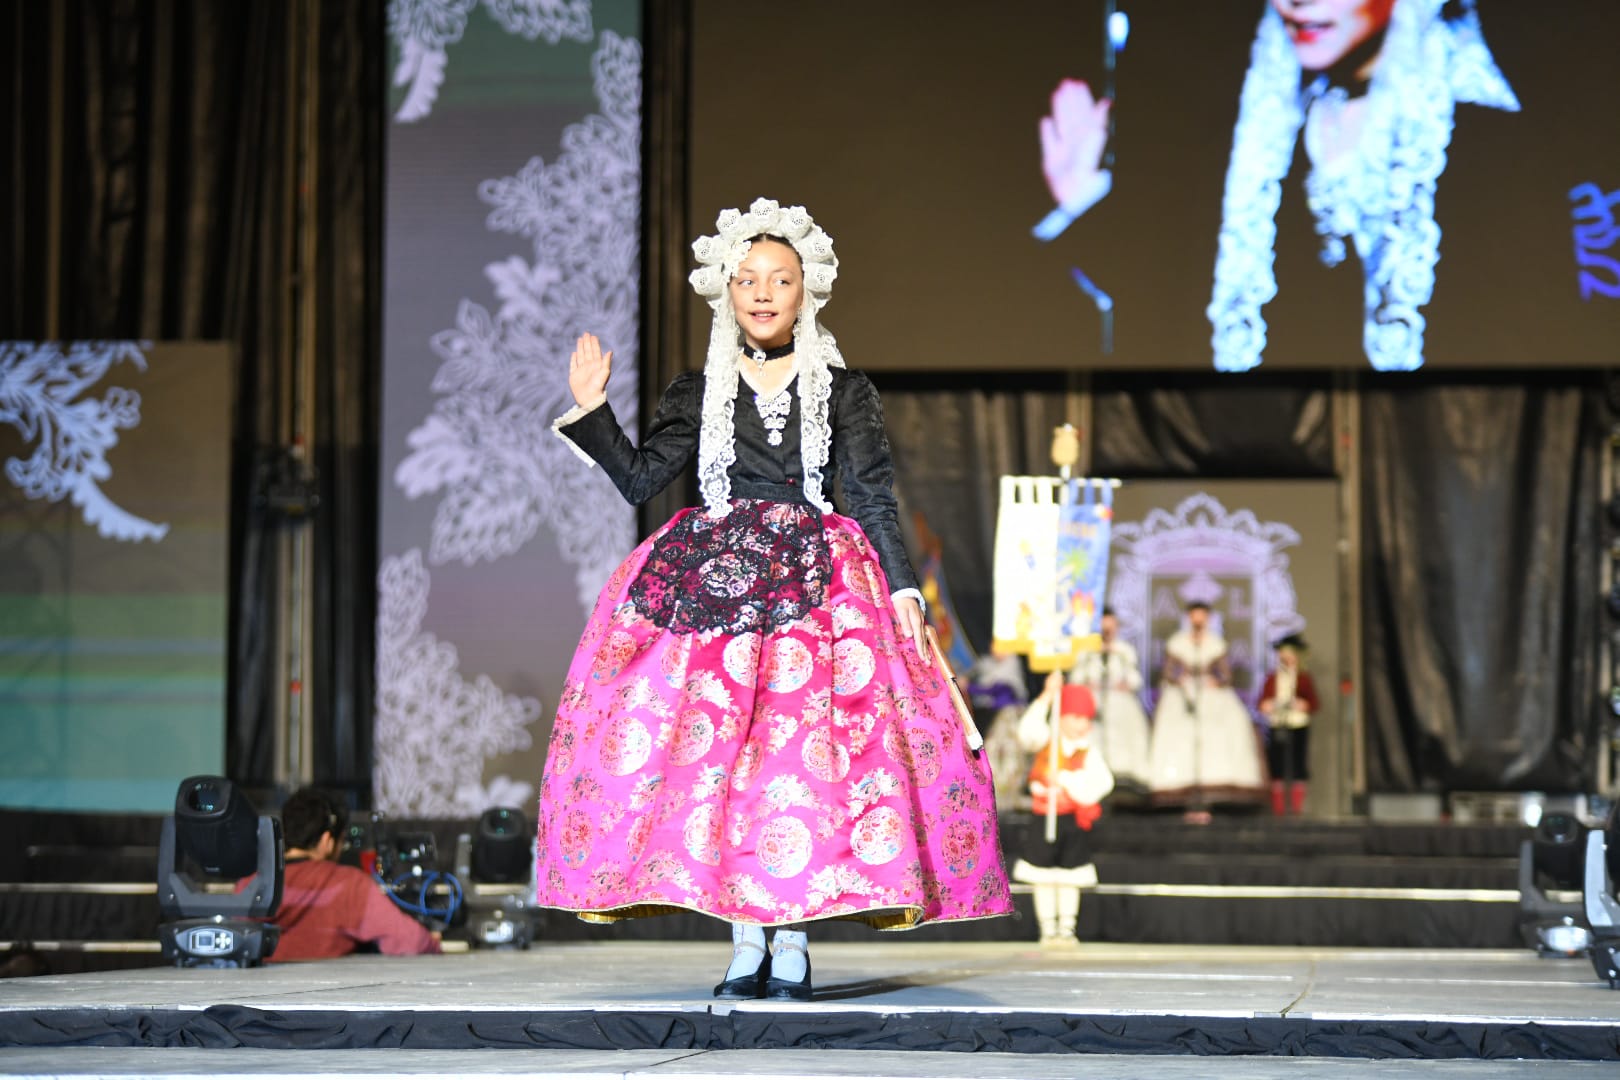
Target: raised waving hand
<point>588,370</point>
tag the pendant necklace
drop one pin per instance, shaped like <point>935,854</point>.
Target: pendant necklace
<point>761,357</point>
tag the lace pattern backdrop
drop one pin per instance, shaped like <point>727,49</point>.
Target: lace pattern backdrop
<point>513,225</point>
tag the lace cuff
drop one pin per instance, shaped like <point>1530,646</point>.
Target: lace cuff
<point>1052,225</point>
<point>574,416</point>
<point>916,595</point>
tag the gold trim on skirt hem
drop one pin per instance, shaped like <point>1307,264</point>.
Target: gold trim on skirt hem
<point>900,918</point>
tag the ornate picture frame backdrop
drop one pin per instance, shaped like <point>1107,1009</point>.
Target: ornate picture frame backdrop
<point>1264,556</point>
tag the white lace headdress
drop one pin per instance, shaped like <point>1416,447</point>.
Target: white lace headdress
<point>814,349</point>
<point>1384,203</point>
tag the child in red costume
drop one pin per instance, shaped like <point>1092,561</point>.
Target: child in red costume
<point>1073,775</point>
<point>1288,701</point>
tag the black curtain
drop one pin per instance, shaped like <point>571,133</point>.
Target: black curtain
<point>666,231</point>
<point>1480,554</point>
<point>1210,425</point>
<point>349,143</point>
<point>177,165</point>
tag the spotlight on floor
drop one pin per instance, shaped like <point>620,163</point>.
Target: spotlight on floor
<point>496,861</point>
<point>1551,917</point>
<point>1602,868</point>
<point>503,847</point>
<point>214,839</point>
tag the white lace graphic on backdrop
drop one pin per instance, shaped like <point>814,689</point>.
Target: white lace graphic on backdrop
<point>488,444</point>
<point>424,29</point>
<point>434,729</point>
<point>42,388</point>
<point>487,449</point>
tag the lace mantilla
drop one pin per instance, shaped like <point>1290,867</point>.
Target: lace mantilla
<point>1381,198</point>
<point>817,351</point>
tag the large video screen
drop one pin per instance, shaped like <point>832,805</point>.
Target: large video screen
<point>1162,184</point>
<point>114,527</point>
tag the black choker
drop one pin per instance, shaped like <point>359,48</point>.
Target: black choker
<point>764,356</point>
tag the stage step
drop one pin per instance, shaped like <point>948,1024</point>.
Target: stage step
<point>1243,880</point>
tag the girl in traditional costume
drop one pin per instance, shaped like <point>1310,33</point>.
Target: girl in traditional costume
<point>752,727</point>
<point>1069,779</point>
<point>1360,97</point>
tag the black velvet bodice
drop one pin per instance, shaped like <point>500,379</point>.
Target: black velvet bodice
<point>860,458</point>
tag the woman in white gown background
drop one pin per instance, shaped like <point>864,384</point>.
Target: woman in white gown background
<point>1113,674</point>
<point>1205,750</point>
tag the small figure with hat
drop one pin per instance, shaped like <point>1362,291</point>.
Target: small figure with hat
<point>1288,701</point>
<point>1067,784</point>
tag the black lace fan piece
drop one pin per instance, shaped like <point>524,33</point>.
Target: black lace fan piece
<point>762,566</point>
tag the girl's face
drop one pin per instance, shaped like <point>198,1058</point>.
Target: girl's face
<point>1326,31</point>
<point>767,292</point>
<point>1074,726</point>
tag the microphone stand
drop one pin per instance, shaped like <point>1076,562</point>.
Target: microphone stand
<point>1052,763</point>
<point>1194,700</point>
<point>1281,710</point>
<point>1102,700</point>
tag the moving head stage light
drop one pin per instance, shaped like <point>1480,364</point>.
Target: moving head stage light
<point>497,862</point>
<point>1550,872</point>
<point>503,847</point>
<point>216,835</point>
<point>1602,868</point>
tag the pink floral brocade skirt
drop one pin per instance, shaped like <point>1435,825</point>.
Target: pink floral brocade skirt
<point>745,733</point>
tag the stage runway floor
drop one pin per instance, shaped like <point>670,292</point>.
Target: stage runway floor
<point>188,1064</point>
<point>879,1006</point>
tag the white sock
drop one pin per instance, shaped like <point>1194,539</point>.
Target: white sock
<point>1068,912</point>
<point>747,950</point>
<point>1046,909</point>
<point>790,953</point>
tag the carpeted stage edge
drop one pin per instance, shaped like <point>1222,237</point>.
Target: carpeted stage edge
<point>228,1026</point>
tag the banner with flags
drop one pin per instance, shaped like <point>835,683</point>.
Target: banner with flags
<point>1051,563</point>
<point>1024,607</point>
<point>1085,519</point>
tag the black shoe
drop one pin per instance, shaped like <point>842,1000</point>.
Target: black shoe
<point>746,987</point>
<point>783,990</point>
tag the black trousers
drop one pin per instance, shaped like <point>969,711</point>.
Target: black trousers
<point>1071,849</point>
<point>1288,753</point>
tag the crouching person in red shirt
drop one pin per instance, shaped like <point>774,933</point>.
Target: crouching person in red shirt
<point>329,909</point>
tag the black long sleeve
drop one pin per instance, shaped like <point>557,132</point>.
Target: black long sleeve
<point>671,440</point>
<point>866,470</point>
<point>860,448</point>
